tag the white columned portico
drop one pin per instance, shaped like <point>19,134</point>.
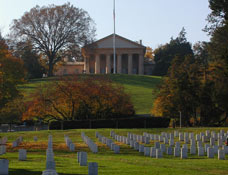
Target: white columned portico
<point>119,64</point>
<point>141,64</point>
<point>108,64</point>
<point>129,64</point>
<point>97,64</point>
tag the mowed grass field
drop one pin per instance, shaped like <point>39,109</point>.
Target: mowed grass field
<point>128,162</point>
<point>139,87</point>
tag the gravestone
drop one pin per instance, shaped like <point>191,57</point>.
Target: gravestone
<point>216,148</point>
<point>83,159</point>
<point>158,153</point>
<point>4,167</point>
<point>153,152</point>
<point>93,168</point>
<point>15,144</point>
<point>169,150</point>
<point>220,142</point>
<point>176,152</point>
<point>22,154</point>
<point>200,151</point>
<point>210,152</point>
<point>184,153</point>
<point>171,142</point>
<point>136,146</point>
<point>72,147</point>
<point>147,151</point>
<point>206,146</point>
<point>157,145</point>
<point>49,172</point>
<point>147,140</point>
<point>141,148</point>
<point>212,141</point>
<point>192,150</point>
<point>221,154</point>
<point>163,148</point>
<point>225,148</point>
<point>116,149</point>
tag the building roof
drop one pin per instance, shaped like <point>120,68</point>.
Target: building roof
<point>121,42</point>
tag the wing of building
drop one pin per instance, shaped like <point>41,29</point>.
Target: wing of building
<point>98,57</point>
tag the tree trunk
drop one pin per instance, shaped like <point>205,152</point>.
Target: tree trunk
<point>50,70</point>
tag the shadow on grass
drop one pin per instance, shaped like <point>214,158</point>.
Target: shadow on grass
<point>27,172</point>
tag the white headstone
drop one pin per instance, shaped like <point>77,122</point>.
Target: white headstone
<point>192,150</point>
<point>184,153</point>
<point>4,167</point>
<point>153,152</point>
<point>158,153</point>
<point>147,151</point>
<point>116,149</point>
<point>169,150</point>
<point>210,152</point>
<point>83,159</point>
<point>141,148</point>
<point>221,154</point>
<point>200,151</point>
<point>176,152</point>
<point>93,168</point>
<point>22,154</point>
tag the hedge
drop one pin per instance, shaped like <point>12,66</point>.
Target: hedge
<point>136,122</point>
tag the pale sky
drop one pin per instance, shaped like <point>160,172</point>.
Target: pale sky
<point>152,21</point>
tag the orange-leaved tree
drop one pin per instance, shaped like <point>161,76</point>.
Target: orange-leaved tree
<point>79,98</point>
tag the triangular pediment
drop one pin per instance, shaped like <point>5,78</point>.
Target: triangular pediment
<point>121,42</point>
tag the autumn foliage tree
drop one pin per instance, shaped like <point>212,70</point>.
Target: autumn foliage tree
<point>12,73</point>
<point>79,98</point>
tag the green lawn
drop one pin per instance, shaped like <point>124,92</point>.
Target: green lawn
<point>139,87</point>
<point>127,162</point>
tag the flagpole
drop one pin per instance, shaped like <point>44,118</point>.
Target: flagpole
<point>114,37</point>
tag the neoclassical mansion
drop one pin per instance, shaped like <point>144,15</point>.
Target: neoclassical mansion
<point>98,58</point>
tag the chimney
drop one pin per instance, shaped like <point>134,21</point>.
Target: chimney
<point>140,42</point>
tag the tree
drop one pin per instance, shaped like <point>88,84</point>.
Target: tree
<point>164,55</point>
<point>55,31</point>
<point>149,53</point>
<point>31,59</point>
<point>179,90</point>
<point>219,15</point>
<point>12,73</point>
<point>75,98</point>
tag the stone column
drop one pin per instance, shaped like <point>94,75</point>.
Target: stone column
<point>119,64</point>
<point>97,64</point>
<point>86,66</point>
<point>141,65</point>
<point>108,64</point>
<point>129,64</point>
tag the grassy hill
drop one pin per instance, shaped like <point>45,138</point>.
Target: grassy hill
<point>139,87</point>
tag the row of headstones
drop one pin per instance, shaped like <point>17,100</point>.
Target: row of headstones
<point>69,143</point>
<point>92,146</point>
<point>211,136</point>
<point>50,162</point>
<point>109,142</point>
<point>161,148</point>
<point>17,142</point>
<point>157,151</point>
<point>211,151</point>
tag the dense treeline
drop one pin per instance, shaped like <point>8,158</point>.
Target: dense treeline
<point>196,85</point>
